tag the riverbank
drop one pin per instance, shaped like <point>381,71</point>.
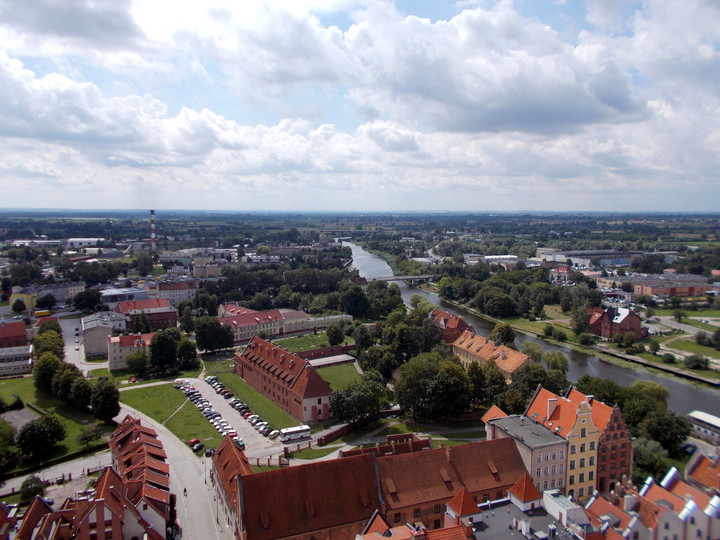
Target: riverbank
<point>602,351</point>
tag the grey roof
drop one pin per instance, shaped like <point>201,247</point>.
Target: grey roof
<point>527,431</point>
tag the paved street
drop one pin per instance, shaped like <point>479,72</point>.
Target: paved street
<point>71,355</point>
<point>198,511</point>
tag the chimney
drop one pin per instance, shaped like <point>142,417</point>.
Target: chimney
<point>153,243</point>
<point>552,405</point>
<point>590,399</point>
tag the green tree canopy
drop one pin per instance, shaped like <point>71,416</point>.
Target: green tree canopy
<point>105,401</point>
<point>335,334</point>
<point>504,333</point>
<point>49,324</point>
<point>80,393</point>
<point>31,487</point>
<point>187,354</point>
<point>44,371</point>
<point>87,300</point>
<point>360,401</point>
<point>18,306</point>
<point>138,363</point>
<point>163,349</point>
<point>46,301</point>
<point>211,335</point>
<point>51,342</point>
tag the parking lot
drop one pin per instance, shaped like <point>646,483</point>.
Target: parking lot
<point>255,444</point>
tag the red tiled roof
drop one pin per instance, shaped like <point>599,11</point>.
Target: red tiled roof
<point>12,329</point>
<point>132,340</point>
<point>449,533</point>
<point>315,496</point>
<point>524,489</point>
<point>599,507</point>
<point>507,359</point>
<point>685,491</point>
<point>563,416</point>
<point>492,413</point>
<point>463,504</point>
<point>37,509</point>
<point>251,318</point>
<point>707,473</point>
<point>150,303</point>
<point>600,411</point>
<point>229,462</point>
<point>235,309</point>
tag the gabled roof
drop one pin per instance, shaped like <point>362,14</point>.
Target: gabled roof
<point>706,472</point>
<point>315,496</point>
<point>553,411</point>
<point>507,359</point>
<point>12,329</point>
<point>142,305</point>
<point>251,318</point>
<point>37,509</point>
<point>492,413</point>
<point>524,489</point>
<point>601,412</point>
<point>229,462</point>
<point>463,504</point>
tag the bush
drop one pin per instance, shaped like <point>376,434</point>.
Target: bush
<point>548,329</point>
<point>31,487</point>
<point>696,362</point>
<point>559,334</point>
<point>668,358</point>
<point>586,339</point>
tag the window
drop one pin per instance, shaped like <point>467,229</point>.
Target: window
<point>545,485</point>
<point>562,468</point>
<point>582,448</point>
<point>436,509</point>
<point>581,492</point>
<point>397,517</point>
<point>539,458</point>
<point>554,456</point>
<point>562,454</point>
<point>486,497</point>
<point>592,445</point>
<point>582,462</point>
<point>319,401</point>
<point>560,482</point>
<point>572,449</point>
<point>416,513</point>
<point>537,471</point>
<point>581,478</point>
<point>546,471</point>
<point>583,432</point>
<point>571,479</point>
<point>547,457</point>
<point>572,464</point>
<point>592,460</point>
<point>591,475</point>
<point>552,484</point>
<point>554,469</point>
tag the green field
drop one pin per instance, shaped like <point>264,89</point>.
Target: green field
<point>169,406</point>
<point>315,453</point>
<point>691,346</point>
<point>307,342</point>
<point>710,328</point>
<point>217,364</point>
<point>73,419</point>
<point>258,403</point>
<point>121,377</point>
<point>339,376</point>
<point>700,313</point>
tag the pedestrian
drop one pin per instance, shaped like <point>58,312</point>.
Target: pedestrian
<point>185,492</point>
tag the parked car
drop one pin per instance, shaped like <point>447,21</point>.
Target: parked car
<point>266,430</point>
<point>273,434</point>
<point>209,452</point>
<point>193,442</point>
<point>199,446</point>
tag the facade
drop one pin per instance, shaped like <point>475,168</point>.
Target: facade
<point>615,447</point>
<point>206,271</point>
<point>120,347</point>
<point>287,380</point>
<point>123,294</point>
<point>612,322</point>
<point>158,312</point>
<point>471,347</point>
<point>63,292</point>
<point>705,426</point>
<point>452,325</point>
<point>574,423</point>
<point>543,451</point>
<point>177,291</point>
<point>15,349</point>
<point>98,328</point>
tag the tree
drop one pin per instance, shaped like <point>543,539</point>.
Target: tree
<point>105,401</point>
<point>163,349</point>
<point>80,393</point>
<point>556,360</point>
<point>44,371</point>
<point>87,300</point>
<point>654,347</point>
<point>580,319</point>
<point>187,323</point>
<point>51,342</point>
<point>138,363</point>
<point>187,357</point>
<point>678,315</point>
<point>667,428</point>
<point>88,435</point>
<point>63,379</point>
<point>495,384</point>
<point>211,335</point>
<point>533,350</point>
<point>359,401</point>
<point>527,378</point>
<point>46,301</point>
<point>18,306</point>
<point>38,437</point>
<point>650,459</point>
<point>504,333</point>
<point>31,487</point>
<point>354,301</point>
<point>335,334</point>
<point>48,325</point>
<point>144,264</point>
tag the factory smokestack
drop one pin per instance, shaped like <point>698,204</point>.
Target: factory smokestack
<point>153,244</point>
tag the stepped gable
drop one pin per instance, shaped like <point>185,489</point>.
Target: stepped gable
<point>524,489</point>
<point>340,493</point>
<point>600,411</point>
<point>463,504</point>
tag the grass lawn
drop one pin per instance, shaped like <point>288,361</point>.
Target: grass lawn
<point>553,311</point>
<point>314,453</point>
<point>307,342</point>
<point>258,403</point>
<point>121,377</point>
<point>160,402</point>
<point>700,313</point>
<point>691,346</point>
<point>218,364</point>
<point>72,419</point>
<point>339,376</point>
<point>701,325</point>
<point>448,442</point>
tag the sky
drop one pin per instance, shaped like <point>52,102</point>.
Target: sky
<point>368,105</point>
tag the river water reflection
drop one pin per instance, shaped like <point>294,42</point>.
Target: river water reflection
<point>684,396</point>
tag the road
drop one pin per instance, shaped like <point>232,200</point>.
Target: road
<point>71,355</point>
<point>197,513</point>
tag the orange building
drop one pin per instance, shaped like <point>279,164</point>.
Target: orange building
<point>470,347</point>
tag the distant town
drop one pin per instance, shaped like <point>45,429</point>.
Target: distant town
<point>168,374</point>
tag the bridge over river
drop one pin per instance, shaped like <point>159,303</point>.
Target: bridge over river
<point>412,279</point>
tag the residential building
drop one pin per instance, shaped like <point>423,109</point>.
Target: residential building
<point>123,294</point>
<point>15,349</point>
<point>63,292</point>
<point>471,347</point>
<point>542,450</point>
<point>97,328</point>
<point>615,444</point>
<point>702,471</point>
<point>612,322</point>
<point>705,426</point>
<point>206,271</point>
<point>120,347</point>
<point>157,311</point>
<point>452,325</point>
<point>574,423</point>
<point>286,379</point>
<point>229,465</point>
<point>177,290</point>
<point>395,444</point>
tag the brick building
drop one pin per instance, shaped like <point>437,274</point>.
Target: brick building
<point>452,325</point>
<point>611,322</point>
<point>286,379</point>
<point>158,312</point>
<point>471,347</point>
<point>120,347</point>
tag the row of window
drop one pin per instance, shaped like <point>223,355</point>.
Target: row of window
<point>591,462</point>
<point>551,485</point>
<point>549,456</point>
<point>549,470</point>
<point>583,447</point>
<point>581,478</point>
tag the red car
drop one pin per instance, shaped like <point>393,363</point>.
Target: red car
<point>193,442</point>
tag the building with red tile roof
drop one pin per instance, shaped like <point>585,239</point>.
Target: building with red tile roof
<point>573,422</point>
<point>229,464</point>
<point>524,494</point>
<point>493,412</point>
<point>703,472</point>
<point>246,323</point>
<point>396,444</point>
<point>158,312</point>
<point>615,446</point>
<point>286,379</point>
<point>452,325</point>
<point>13,334</point>
<point>122,346</point>
<point>8,519</point>
<point>612,322</point>
<point>16,356</point>
<point>471,347</point>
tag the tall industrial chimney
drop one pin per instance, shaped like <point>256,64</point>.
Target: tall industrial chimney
<point>153,243</point>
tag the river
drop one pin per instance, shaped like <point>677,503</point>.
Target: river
<point>684,396</point>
